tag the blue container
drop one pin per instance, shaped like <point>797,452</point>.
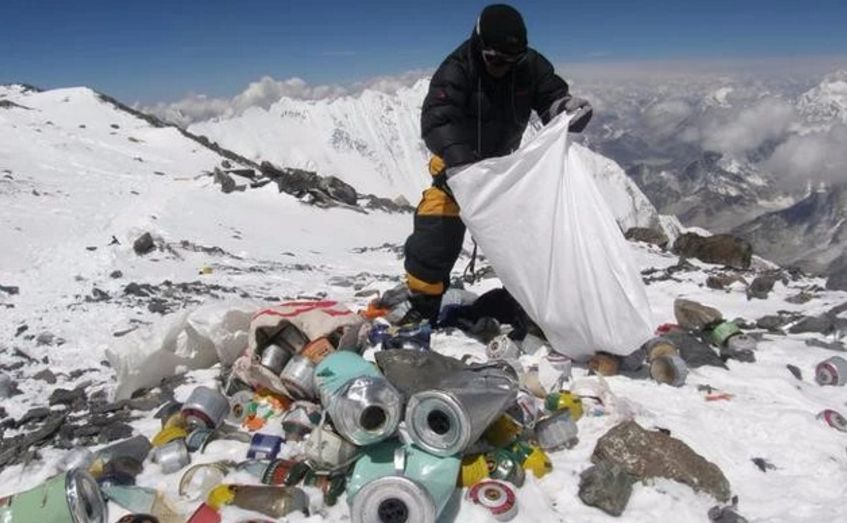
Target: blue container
<point>264,446</point>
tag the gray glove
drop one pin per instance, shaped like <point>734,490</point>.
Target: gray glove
<point>580,111</point>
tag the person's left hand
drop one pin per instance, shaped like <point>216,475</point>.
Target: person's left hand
<point>580,111</point>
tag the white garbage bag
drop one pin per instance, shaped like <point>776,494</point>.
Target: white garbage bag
<point>193,339</point>
<point>538,216</point>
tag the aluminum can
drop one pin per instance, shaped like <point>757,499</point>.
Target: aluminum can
<point>670,370</point>
<point>292,337</point>
<point>172,456</point>
<point>264,446</point>
<point>831,371</point>
<point>556,431</point>
<point>496,496</point>
<point>274,357</point>
<point>447,420</point>
<point>70,497</point>
<point>834,419</point>
<point>503,465</point>
<point>205,407</point>
<point>502,348</point>
<point>298,376</point>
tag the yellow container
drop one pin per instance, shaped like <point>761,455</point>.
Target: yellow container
<point>503,431</point>
<point>538,462</point>
<point>168,434</point>
<point>564,401</point>
<point>474,469</point>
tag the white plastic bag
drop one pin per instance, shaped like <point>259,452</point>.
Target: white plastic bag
<point>541,221</point>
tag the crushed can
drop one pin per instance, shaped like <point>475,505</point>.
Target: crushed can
<point>448,419</point>
<point>198,481</point>
<point>834,419</point>
<point>556,431</point>
<point>504,466</point>
<point>272,501</point>
<point>502,347</point>
<point>670,370</point>
<point>172,456</point>
<point>71,497</point>
<point>300,420</point>
<point>326,451</point>
<point>205,407</point>
<point>264,446</point>
<point>394,480</point>
<point>831,371</point>
<point>298,377</point>
<point>365,408</point>
<point>498,497</point>
<point>274,357</point>
<point>317,350</point>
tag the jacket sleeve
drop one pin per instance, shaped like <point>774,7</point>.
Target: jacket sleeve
<point>444,124</point>
<point>550,90</point>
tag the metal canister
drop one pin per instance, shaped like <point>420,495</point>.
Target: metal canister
<point>556,431</point>
<point>274,357</point>
<point>298,376</point>
<point>474,469</point>
<point>447,420</point>
<point>172,456</point>
<point>503,465</point>
<point>365,408</point>
<point>393,499</point>
<point>284,472</point>
<point>831,371</point>
<point>670,370</point>
<point>525,409</point>
<point>71,497</point>
<point>272,501</point>
<point>239,406</point>
<point>502,347</point>
<point>205,407</point>
<point>834,419</point>
<point>659,347</point>
<point>264,446</point>
<point>326,451</point>
<point>300,420</point>
<point>292,337</point>
<point>496,496</point>
<point>317,350</point>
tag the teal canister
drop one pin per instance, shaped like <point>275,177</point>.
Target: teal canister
<point>394,481</point>
<point>334,371</point>
<point>70,497</point>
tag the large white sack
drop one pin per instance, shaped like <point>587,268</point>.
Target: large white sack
<point>193,339</point>
<point>541,221</point>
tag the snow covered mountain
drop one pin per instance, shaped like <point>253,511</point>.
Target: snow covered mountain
<point>827,102</point>
<point>372,141</point>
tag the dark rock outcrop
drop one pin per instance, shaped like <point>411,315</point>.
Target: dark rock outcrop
<point>647,235</point>
<point>143,244</point>
<point>722,249</point>
<point>606,486</point>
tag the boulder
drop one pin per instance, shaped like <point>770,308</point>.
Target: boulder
<point>762,286</point>
<point>606,486</point>
<point>722,249</point>
<point>694,316</point>
<point>338,190</point>
<point>822,324</point>
<point>648,454</point>
<point>723,280</point>
<point>143,244</point>
<point>647,235</point>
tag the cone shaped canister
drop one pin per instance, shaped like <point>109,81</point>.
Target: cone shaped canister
<point>364,407</point>
<point>71,497</point>
<point>399,483</point>
<point>451,417</point>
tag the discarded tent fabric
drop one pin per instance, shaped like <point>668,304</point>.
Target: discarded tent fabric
<point>541,221</point>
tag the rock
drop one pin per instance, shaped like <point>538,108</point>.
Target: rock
<point>226,164</point>
<point>143,244</point>
<point>723,280</point>
<point>647,235</point>
<point>34,414</point>
<point>795,371</point>
<point>727,514</point>
<point>116,274</point>
<point>226,182</point>
<point>800,298</point>
<point>44,338</point>
<point>8,387</point>
<point>694,351</point>
<point>836,345</point>
<point>762,286</point>
<point>694,316</point>
<point>10,289</point>
<point>46,375</point>
<point>401,201</point>
<point>67,397</point>
<point>723,249</point>
<point>607,487</point>
<point>651,454</point>
<point>763,464</point>
<point>339,190</point>
<point>97,295</point>
<point>142,290</point>
<point>821,324</point>
<point>773,322</point>
<point>114,431</point>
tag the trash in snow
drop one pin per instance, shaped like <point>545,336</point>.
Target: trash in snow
<point>72,496</point>
<point>832,371</point>
<point>834,419</point>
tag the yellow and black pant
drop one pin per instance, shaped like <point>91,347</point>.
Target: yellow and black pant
<point>436,241</point>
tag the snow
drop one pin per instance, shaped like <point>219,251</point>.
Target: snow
<point>91,188</point>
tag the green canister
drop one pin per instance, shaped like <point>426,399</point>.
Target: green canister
<point>724,331</point>
<point>70,497</point>
<point>396,482</point>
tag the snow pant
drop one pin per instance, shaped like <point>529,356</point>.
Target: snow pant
<point>436,241</point>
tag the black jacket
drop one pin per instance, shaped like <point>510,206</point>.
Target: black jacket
<point>468,115</point>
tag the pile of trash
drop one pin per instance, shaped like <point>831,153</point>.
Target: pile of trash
<point>314,422</point>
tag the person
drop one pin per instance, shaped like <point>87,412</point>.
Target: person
<point>478,106</point>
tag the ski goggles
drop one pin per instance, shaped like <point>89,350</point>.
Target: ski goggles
<point>497,58</point>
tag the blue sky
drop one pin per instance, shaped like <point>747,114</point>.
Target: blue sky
<point>160,50</point>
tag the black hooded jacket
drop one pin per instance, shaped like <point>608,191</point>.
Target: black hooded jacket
<point>468,115</point>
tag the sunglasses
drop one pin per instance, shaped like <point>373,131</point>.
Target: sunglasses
<point>496,58</point>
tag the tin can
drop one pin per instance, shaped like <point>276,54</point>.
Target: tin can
<point>172,456</point>
<point>504,466</point>
<point>291,336</point>
<point>317,350</point>
<point>496,496</point>
<point>284,472</point>
<point>326,451</point>
<point>670,370</point>
<point>834,419</point>
<point>723,331</point>
<point>264,446</point>
<point>659,347</point>
<point>239,406</point>
<point>474,469</point>
<point>274,357</point>
<point>525,409</point>
<point>502,347</point>
<point>831,371</point>
<point>199,480</point>
<point>205,407</point>
<point>300,420</point>
<point>71,497</point>
<point>556,431</point>
<point>298,376</point>
<point>564,400</point>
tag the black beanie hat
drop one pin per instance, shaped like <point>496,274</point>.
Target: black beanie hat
<point>501,27</point>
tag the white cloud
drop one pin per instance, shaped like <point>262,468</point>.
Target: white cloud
<point>816,157</point>
<point>666,118</point>
<point>737,132</point>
